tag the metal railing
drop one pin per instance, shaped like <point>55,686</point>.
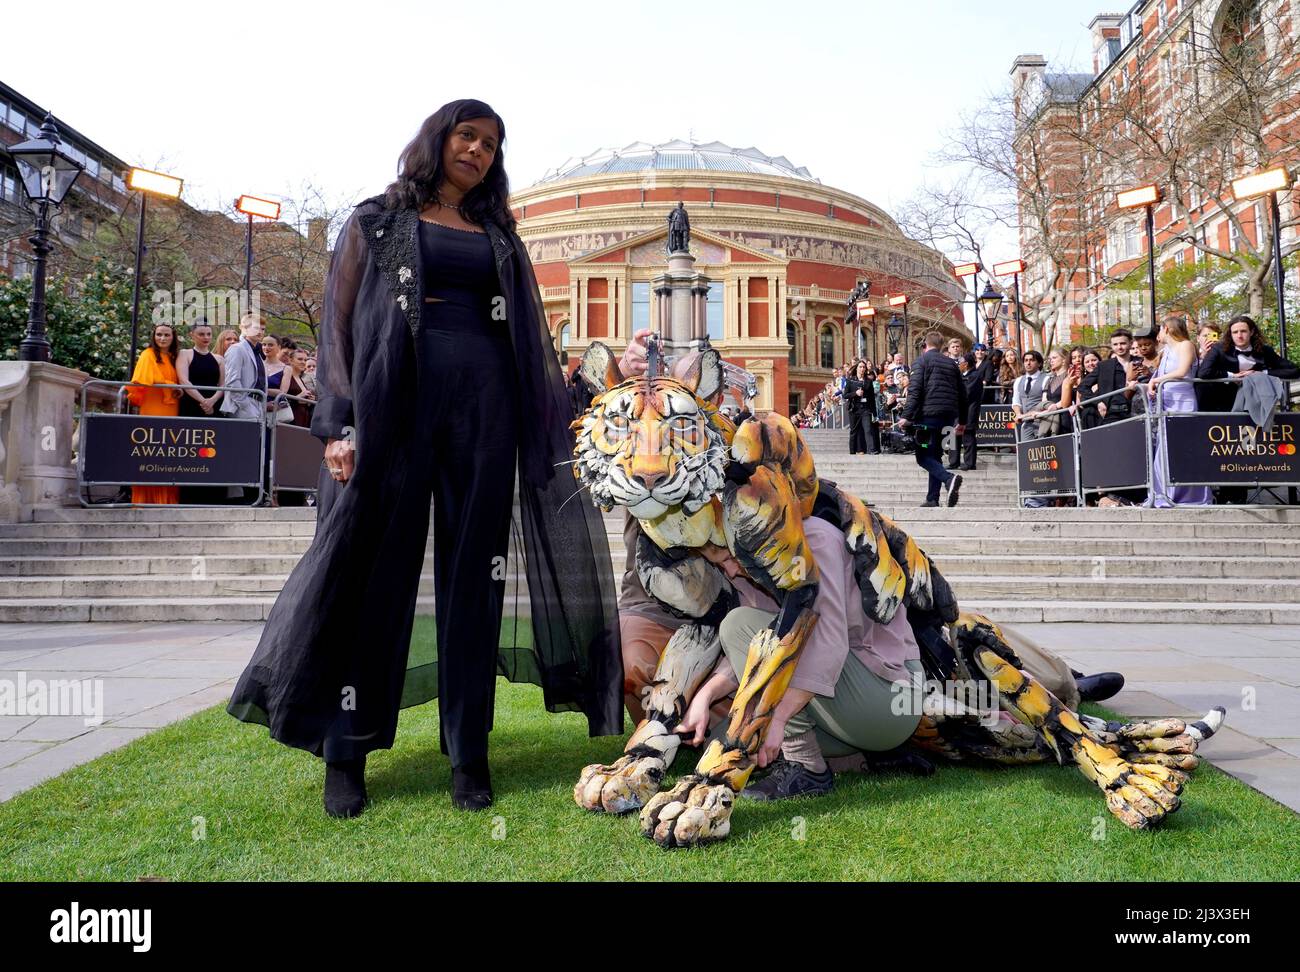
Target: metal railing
<point>1154,420</point>
<point>96,390</point>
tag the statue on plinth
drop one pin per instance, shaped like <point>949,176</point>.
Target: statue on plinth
<point>679,230</point>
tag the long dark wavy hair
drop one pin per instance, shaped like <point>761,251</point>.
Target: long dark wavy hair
<point>1256,336</point>
<point>420,173</point>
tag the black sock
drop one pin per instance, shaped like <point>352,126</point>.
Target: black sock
<point>345,787</point>
<point>471,785</point>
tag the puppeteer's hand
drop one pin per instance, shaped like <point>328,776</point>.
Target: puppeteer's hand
<point>771,748</point>
<point>340,459</point>
<point>695,724</point>
<point>633,362</point>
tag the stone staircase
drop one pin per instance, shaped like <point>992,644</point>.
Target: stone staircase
<point>1216,565</point>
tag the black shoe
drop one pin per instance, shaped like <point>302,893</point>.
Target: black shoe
<point>899,760</point>
<point>786,779</point>
<point>954,487</point>
<point>952,466</point>
<point>1094,688</point>
<point>471,786</point>
<point>345,787</point>
<point>929,504</point>
<point>966,468</point>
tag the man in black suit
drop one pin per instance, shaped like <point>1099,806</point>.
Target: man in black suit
<point>1241,352</point>
<point>963,450</point>
<point>1112,375</point>
<point>936,403</point>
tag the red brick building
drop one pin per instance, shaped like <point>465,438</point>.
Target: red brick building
<point>782,250</point>
<point>1183,94</point>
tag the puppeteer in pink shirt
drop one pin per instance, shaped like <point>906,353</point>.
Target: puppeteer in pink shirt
<point>842,625</point>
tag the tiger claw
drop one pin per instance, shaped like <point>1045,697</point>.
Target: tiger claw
<point>694,811</point>
<point>621,787</point>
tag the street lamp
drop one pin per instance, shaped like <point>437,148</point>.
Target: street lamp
<point>961,271</point>
<point>894,331</point>
<point>145,181</point>
<point>1145,197</point>
<point>900,300</point>
<point>47,174</point>
<point>991,304</point>
<point>1269,184</point>
<point>252,206</point>
<point>1015,268</point>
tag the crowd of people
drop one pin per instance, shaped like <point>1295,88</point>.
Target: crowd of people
<point>1088,387</point>
<point>1080,386</point>
<point>222,376</point>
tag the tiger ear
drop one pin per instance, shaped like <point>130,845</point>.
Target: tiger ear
<point>704,377</point>
<point>599,368</point>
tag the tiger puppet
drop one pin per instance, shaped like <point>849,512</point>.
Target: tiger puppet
<point>659,447</point>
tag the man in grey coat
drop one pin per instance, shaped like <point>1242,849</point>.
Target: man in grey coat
<point>245,369</point>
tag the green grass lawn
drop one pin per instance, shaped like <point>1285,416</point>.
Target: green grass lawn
<point>133,813</point>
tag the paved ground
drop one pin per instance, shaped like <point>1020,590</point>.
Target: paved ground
<point>155,673</point>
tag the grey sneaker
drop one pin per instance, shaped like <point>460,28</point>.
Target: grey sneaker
<point>787,779</point>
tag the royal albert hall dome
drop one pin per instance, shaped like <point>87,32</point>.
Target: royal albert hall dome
<point>782,251</point>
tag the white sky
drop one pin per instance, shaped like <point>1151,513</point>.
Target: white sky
<point>241,97</point>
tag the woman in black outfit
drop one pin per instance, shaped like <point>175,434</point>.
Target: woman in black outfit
<point>1088,416</point>
<point>860,393</point>
<point>436,377</point>
<point>198,365</point>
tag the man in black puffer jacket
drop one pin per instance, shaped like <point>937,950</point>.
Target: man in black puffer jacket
<point>936,405</point>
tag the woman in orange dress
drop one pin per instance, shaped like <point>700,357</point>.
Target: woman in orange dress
<point>156,366</point>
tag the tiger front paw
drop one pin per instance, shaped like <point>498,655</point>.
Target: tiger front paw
<point>695,811</point>
<point>625,785</point>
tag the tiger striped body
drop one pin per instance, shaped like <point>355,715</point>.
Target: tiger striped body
<point>707,493</point>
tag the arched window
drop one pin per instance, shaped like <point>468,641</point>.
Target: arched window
<point>563,342</point>
<point>1236,22</point>
<point>792,338</point>
<point>826,346</point>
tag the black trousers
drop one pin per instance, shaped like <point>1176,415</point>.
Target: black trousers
<point>963,449</point>
<point>469,403</point>
<point>929,452</point>
<point>857,438</point>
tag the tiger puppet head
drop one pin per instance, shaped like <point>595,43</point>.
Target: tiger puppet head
<point>654,444</point>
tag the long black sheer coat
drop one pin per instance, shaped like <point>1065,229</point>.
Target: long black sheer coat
<point>331,669</point>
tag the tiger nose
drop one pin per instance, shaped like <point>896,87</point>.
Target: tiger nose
<point>649,479</point>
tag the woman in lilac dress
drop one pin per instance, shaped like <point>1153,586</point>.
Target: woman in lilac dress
<point>1177,363</point>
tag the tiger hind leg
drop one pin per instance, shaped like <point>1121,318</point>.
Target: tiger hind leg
<point>1140,791</point>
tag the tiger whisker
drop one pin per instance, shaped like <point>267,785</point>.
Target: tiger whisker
<point>575,493</point>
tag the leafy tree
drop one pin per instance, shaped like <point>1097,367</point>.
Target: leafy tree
<point>88,319</point>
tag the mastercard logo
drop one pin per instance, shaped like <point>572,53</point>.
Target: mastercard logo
<point>1011,425</point>
<point>207,452</point>
<point>1054,464</point>
<point>1286,450</point>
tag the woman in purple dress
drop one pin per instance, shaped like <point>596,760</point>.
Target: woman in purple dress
<point>1177,394</point>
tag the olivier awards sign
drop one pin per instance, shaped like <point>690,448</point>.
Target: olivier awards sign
<point>997,426</point>
<point>1229,449</point>
<point>1047,465</point>
<point>162,450</point>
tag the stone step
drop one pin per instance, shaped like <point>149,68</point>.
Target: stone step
<point>170,547</point>
<point>255,608</point>
<point>1100,585</point>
